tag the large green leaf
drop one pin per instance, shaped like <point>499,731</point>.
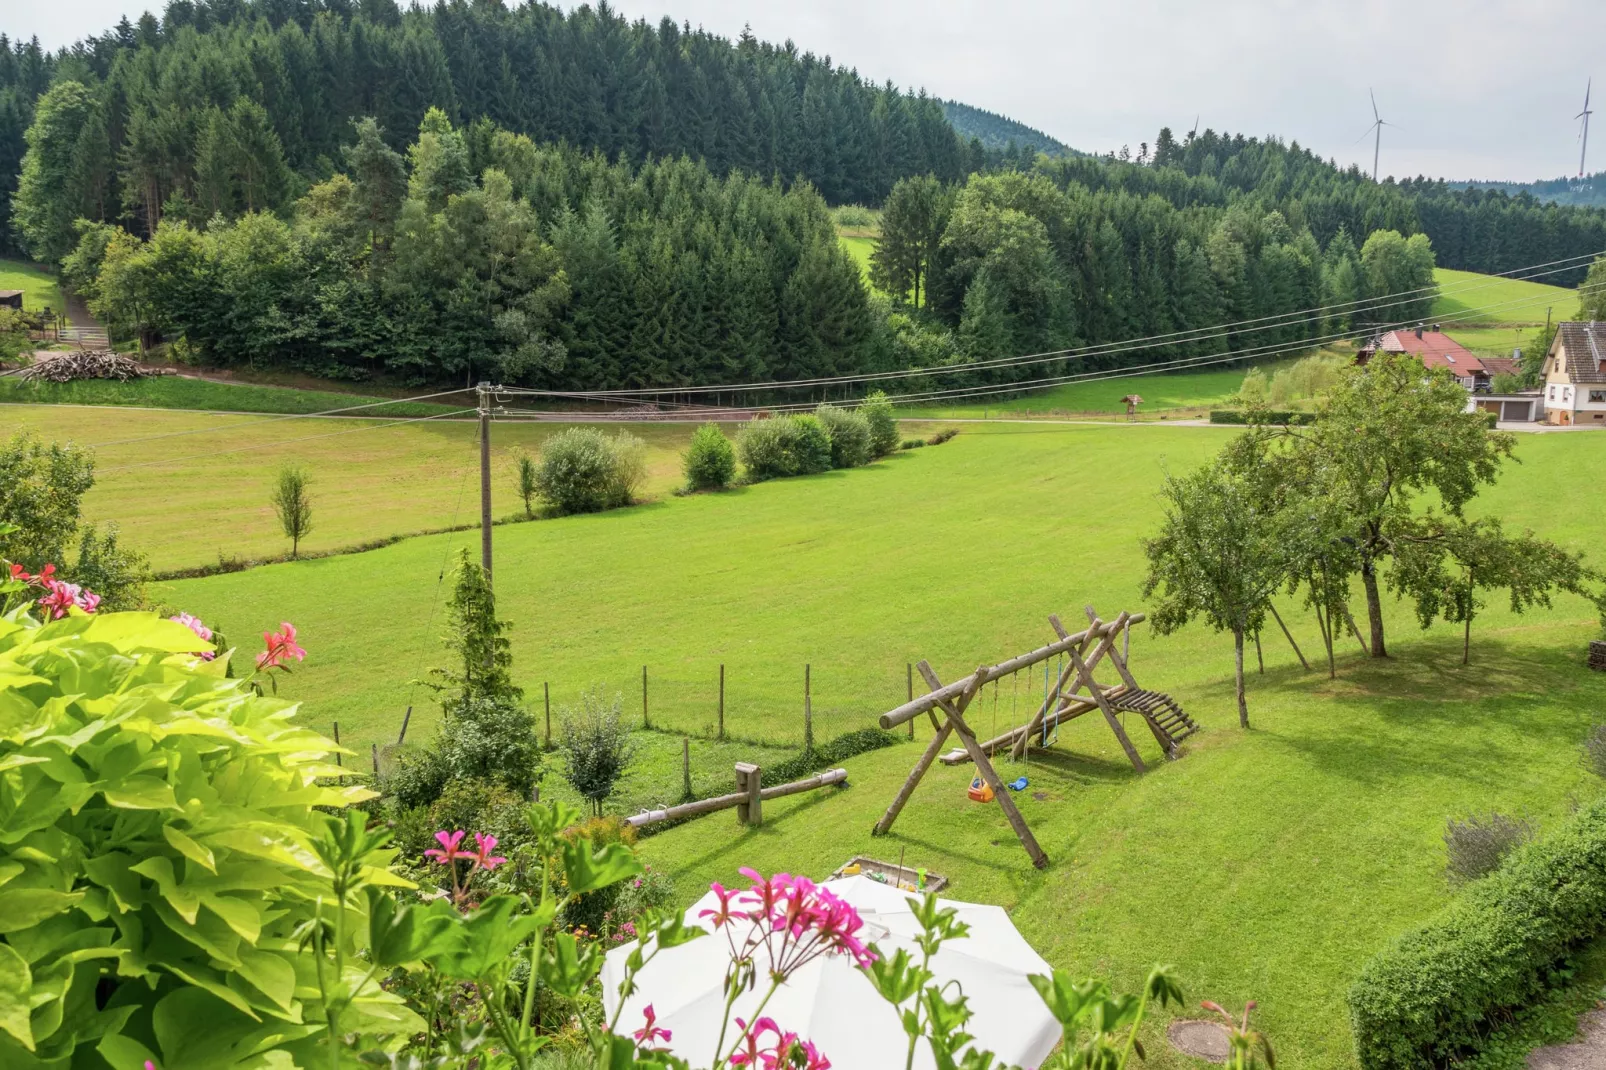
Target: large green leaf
<point>587,870</point>
<point>189,848</point>
<point>141,793</point>
<point>490,935</point>
<point>16,984</point>
<point>22,908</point>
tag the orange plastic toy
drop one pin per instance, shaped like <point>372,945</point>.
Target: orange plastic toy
<point>980,790</point>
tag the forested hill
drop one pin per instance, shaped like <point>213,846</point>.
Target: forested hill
<point>1591,191</point>
<point>997,132</point>
<point>303,69</point>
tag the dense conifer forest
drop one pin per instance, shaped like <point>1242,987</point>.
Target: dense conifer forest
<point>577,200</point>
<point>998,132</point>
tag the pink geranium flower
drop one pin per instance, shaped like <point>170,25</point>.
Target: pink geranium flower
<point>60,596</point>
<point>281,645</point>
<point>449,847</point>
<point>483,858</point>
<point>649,1035</point>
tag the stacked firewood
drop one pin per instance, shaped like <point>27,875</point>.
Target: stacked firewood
<point>82,364</point>
<point>1597,655</point>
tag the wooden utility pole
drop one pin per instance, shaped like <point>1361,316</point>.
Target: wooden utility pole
<point>646,721</point>
<point>546,699</point>
<point>722,701</point>
<point>808,714</point>
<point>483,393</point>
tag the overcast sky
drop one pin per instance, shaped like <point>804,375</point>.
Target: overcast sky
<point>1478,88</point>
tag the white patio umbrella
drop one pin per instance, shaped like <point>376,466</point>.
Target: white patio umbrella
<point>831,1003</point>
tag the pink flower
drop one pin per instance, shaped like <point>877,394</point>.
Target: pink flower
<point>149,1065</point>
<point>280,645</point>
<point>483,859</point>
<point>201,631</point>
<point>789,1051</point>
<point>61,596</point>
<point>723,915</point>
<point>449,850</point>
<point>791,920</point>
<point>650,1033</point>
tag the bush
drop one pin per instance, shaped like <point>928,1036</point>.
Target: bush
<point>850,435</point>
<point>481,739</point>
<point>828,755</point>
<point>877,408</point>
<point>1431,998</point>
<point>942,436</point>
<point>1283,417</point>
<point>140,788</point>
<point>710,460</point>
<point>583,470</point>
<point>912,443</point>
<point>779,446</point>
<point>855,215</point>
<point>1475,848</point>
<point>596,748</point>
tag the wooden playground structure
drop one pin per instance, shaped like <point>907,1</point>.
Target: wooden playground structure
<point>1079,654</point>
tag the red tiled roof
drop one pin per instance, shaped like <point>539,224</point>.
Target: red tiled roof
<point>1437,350</point>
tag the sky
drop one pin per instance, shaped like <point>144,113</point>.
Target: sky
<point>1476,88</point>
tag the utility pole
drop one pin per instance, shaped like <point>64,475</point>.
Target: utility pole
<point>483,392</point>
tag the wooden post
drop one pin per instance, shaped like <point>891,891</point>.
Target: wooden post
<point>722,700</point>
<point>1000,793</point>
<point>1349,618</point>
<point>374,748</point>
<point>808,713</point>
<point>646,721</point>
<point>1125,672</point>
<point>1259,657</point>
<point>1289,634</point>
<point>685,766</point>
<point>546,700</point>
<point>1086,674</point>
<point>337,745</point>
<point>909,673</point>
<point>1105,646</point>
<point>934,748</point>
<point>402,735</point>
<point>749,777</point>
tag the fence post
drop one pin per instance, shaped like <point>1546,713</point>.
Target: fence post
<point>646,721</point>
<point>337,746</point>
<point>401,736</point>
<point>722,701</point>
<point>808,713</point>
<point>374,747</point>
<point>685,766</point>
<point>909,674</point>
<point>546,697</point>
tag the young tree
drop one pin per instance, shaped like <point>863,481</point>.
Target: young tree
<point>596,748</point>
<point>476,637</point>
<point>912,224</point>
<point>293,504</point>
<point>1386,435</point>
<point>529,485</point>
<point>1219,555</point>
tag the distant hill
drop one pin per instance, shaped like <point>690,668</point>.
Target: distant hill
<point>1554,191</point>
<point>996,132</point>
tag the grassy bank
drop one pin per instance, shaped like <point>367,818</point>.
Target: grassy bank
<point>178,392</point>
<point>38,286</point>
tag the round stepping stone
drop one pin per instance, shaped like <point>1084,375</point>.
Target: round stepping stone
<point>1200,1039</point>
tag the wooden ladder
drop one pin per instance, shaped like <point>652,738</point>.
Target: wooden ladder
<point>1161,711</point>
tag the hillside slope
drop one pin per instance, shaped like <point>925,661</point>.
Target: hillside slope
<point>998,132</point>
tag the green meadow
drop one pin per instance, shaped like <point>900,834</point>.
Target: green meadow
<point>1265,864</point>
<point>38,286</point>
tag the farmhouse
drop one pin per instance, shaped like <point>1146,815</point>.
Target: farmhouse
<point>1436,350</point>
<point>11,299</point>
<point>1575,375</point>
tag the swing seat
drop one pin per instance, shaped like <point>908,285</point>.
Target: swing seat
<point>980,791</point>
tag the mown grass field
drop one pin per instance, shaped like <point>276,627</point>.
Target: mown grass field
<point>180,392</point>
<point>1265,865</point>
<point>38,286</point>
<point>1519,300</point>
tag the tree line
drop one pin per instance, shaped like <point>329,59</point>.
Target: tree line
<point>587,77</point>
<point>480,253</point>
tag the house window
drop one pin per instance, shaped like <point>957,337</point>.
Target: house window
<point>1552,393</point>
<point>1597,397</point>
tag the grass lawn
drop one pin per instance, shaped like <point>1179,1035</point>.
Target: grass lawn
<point>1182,393</point>
<point>38,286</point>
<point>178,392</point>
<point>1266,865</point>
<point>1521,301</point>
<point>859,245</point>
<point>201,501</point>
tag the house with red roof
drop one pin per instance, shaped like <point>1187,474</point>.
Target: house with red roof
<point>1436,350</point>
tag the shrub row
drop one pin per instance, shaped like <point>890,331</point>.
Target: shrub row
<point>583,470</point>
<point>1433,996</point>
<point>1239,416</point>
<point>828,755</point>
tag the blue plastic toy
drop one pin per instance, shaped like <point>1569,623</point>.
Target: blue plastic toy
<point>1019,784</point>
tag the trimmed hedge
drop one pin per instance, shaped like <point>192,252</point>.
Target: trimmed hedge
<point>827,755</point>
<point>1435,995</point>
<point>1237,416</point>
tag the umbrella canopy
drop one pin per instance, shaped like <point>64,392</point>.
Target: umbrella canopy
<point>831,1003</point>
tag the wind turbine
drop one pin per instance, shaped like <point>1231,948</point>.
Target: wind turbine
<point>1378,123</point>
<point>1584,133</point>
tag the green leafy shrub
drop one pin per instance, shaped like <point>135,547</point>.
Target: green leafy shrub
<point>942,436</point>
<point>596,748</point>
<point>828,755</point>
<point>1240,416</point>
<point>855,215</point>
<point>155,862</point>
<point>779,446</point>
<point>912,443</point>
<point>1432,997</point>
<point>583,470</point>
<point>710,460</point>
<point>877,408</point>
<point>850,435</point>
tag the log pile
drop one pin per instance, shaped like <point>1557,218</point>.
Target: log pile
<point>1597,655</point>
<point>83,364</point>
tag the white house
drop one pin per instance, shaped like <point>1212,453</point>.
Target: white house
<point>1575,375</point>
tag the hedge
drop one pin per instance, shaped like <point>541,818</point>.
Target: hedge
<point>827,755</point>
<point>1435,995</point>
<point>1237,416</point>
